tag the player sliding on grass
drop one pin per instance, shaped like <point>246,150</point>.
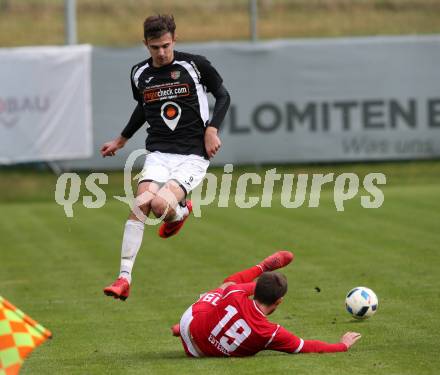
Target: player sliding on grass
<point>170,89</point>
<point>226,322</point>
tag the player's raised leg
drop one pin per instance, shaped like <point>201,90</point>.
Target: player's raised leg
<point>170,204</point>
<point>172,226</point>
<point>132,240</point>
<point>190,173</point>
<point>277,260</point>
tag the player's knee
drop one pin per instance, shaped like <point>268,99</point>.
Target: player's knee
<point>145,208</point>
<point>134,213</point>
<point>159,207</point>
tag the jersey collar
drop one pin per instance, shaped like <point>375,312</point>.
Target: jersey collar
<point>150,62</point>
<point>258,309</point>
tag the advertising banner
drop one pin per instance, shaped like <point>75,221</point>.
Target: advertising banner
<point>45,104</point>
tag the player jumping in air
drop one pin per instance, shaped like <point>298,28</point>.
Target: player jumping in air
<point>170,89</point>
<point>225,322</point>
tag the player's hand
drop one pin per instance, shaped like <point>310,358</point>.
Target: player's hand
<point>212,141</point>
<point>110,148</point>
<point>350,338</point>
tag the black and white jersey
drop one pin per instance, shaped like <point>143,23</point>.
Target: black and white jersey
<point>175,102</point>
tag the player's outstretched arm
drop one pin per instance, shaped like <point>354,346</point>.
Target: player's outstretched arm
<point>110,148</point>
<point>286,341</point>
<point>346,342</point>
<point>137,119</point>
<point>350,338</point>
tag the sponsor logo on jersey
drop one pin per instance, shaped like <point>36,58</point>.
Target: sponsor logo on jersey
<point>175,74</point>
<point>148,79</point>
<point>166,92</point>
<point>170,113</point>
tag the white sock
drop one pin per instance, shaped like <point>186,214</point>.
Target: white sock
<point>181,212</point>
<point>131,243</point>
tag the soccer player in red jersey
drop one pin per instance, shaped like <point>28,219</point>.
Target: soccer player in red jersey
<point>225,322</point>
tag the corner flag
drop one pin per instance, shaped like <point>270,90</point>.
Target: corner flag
<point>19,335</point>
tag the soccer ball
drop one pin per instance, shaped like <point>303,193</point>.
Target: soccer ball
<point>361,302</point>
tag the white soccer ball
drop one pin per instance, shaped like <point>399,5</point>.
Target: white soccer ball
<point>361,302</point>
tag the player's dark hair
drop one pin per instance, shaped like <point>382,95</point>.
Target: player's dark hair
<point>156,26</point>
<point>270,287</point>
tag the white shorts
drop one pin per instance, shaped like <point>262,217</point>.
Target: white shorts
<point>187,170</point>
<point>185,333</point>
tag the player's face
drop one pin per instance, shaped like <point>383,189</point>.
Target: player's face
<point>274,306</point>
<point>161,49</point>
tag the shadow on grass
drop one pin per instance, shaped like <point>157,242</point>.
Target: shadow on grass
<point>356,321</point>
<point>141,356</point>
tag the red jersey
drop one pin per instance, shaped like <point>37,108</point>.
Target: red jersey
<point>228,323</point>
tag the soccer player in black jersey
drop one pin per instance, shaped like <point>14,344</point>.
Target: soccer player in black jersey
<point>170,89</point>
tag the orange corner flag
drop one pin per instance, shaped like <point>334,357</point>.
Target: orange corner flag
<point>19,335</point>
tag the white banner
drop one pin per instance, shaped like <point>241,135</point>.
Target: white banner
<point>45,103</point>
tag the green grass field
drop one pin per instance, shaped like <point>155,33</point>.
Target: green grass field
<point>54,269</point>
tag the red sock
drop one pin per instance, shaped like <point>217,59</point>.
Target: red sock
<point>245,276</point>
